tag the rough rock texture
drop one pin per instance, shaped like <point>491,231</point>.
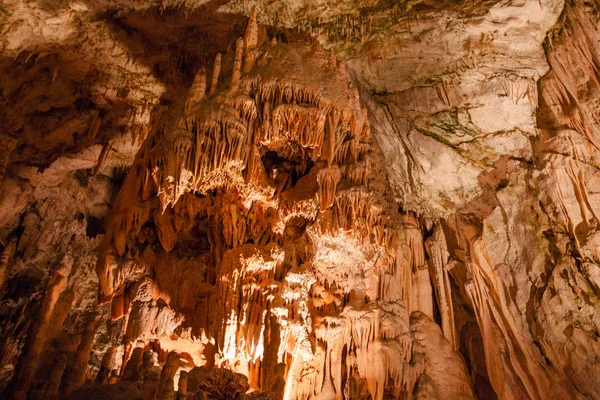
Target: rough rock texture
<point>300,199</point>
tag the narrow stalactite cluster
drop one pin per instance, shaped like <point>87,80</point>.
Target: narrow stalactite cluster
<point>255,233</point>
<point>191,211</point>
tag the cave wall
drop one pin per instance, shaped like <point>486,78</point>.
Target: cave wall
<point>299,199</point>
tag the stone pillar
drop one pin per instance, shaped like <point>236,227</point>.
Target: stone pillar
<point>106,366</point>
<point>133,366</point>
<point>166,385</point>
<point>78,372</point>
<point>28,363</point>
<point>182,387</point>
<point>54,379</point>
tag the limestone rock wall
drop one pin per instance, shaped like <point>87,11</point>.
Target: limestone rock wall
<point>316,200</point>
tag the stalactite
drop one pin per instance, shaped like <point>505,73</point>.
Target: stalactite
<point>103,156</point>
<point>297,123</point>
<point>421,285</point>
<point>304,248</point>
<point>438,269</point>
<point>328,179</point>
<point>95,123</point>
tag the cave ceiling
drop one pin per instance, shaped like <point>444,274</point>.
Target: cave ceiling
<point>296,199</point>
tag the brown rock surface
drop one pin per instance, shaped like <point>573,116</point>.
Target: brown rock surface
<point>293,199</point>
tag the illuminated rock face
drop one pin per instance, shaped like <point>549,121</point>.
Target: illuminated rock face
<point>390,200</point>
<point>259,219</point>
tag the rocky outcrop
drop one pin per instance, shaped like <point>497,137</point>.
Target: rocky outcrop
<point>299,200</point>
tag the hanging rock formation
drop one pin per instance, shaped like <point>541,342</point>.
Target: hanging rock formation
<point>299,200</point>
<point>305,262</point>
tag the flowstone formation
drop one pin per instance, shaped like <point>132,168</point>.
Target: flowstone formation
<point>255,232</point>
<point>333,199</point>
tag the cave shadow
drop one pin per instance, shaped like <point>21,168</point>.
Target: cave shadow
<point>175,43</point>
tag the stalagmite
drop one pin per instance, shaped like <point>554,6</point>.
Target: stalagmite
<point>54,379</point>
<point>166,386</point>
<point>182,385</point>
<point>106,366</point>
<point>197,92</point>
<point>26,368</point>
<point>114,377</point>
<point>215,76</point>
<point>76,375</point>
<point>151,376</point>
<point>250,42</point>
<point>133,366</point>
<point>237,66</point>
